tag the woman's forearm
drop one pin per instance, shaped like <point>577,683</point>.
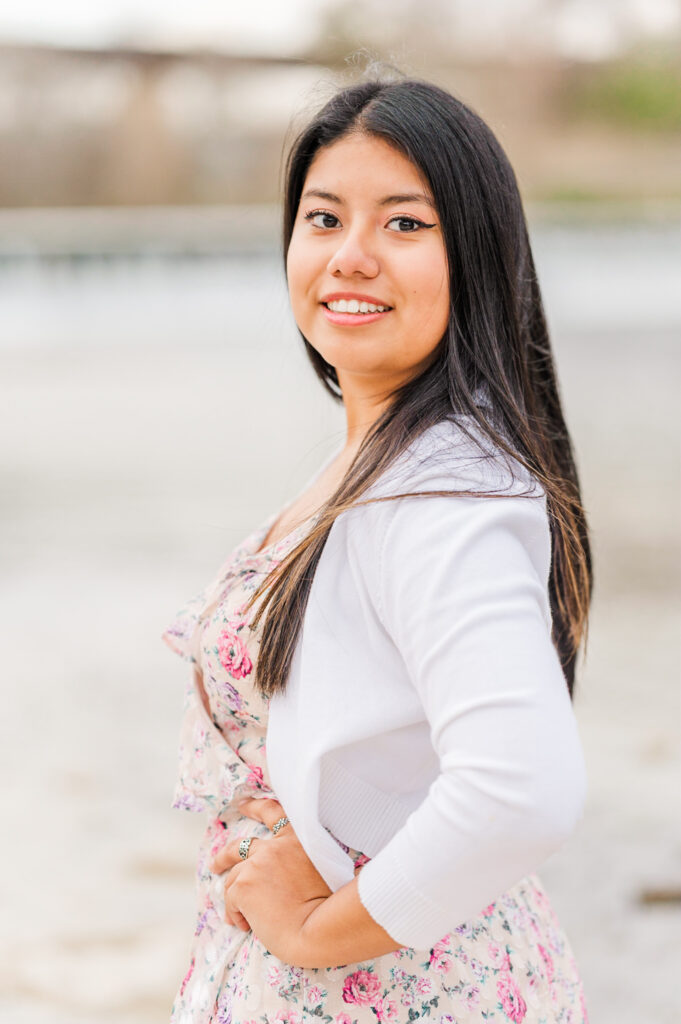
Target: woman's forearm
<point>341,931</point>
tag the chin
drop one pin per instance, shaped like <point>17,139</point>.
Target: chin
<point>356,355</point>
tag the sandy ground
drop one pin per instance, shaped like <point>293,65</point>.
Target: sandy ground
<point>134,454</point>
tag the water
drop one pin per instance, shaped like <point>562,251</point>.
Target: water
<point>601,278</point>
<point>153,410</point>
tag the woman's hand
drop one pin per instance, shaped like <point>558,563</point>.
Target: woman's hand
<point>276,888</point>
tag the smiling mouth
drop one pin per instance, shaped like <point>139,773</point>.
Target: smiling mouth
<point>355,306</point>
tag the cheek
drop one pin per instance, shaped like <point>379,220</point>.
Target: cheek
<point>427,270</point>
<point>300,275</point>
<point>430,290</point>
<point>302,261</point>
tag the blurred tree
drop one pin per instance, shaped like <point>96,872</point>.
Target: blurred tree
<point>639,92</point>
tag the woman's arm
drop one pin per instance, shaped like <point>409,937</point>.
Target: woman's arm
<point>341,931</point>
<point>278,892</point>
<point>460,584</point>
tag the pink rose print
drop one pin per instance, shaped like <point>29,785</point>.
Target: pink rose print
<point>342,1018</point>
<point>441,964</point>
<point>548,962</point>
<point>233,654</point>
<point>498,959</point>
<point>440,956</point>
<point>362,988</point>
<point>314,995</point>
<point>424,986</point>
<point>287,1017</point>
<point>255,776</point>
<point>471,996</point>
<point>273,976</point>
<point>385,1009</point>
<point>488,911</point>
<point>512,1002</point>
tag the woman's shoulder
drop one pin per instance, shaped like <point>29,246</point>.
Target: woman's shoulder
<point>456,454</point>
<point>456,457</point>
<point>437,537</point>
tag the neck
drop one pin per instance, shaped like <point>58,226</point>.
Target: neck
<point>364,403</point>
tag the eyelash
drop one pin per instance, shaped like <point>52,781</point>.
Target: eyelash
<point>414,220</point>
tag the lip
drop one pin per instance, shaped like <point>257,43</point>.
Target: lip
<point>335,296</point>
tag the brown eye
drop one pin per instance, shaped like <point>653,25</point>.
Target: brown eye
<point>406,225</point>
<point>322,219</point>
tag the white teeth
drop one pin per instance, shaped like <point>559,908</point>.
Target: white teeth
<point>355,306</point>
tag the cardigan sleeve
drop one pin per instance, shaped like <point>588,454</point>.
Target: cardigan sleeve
<point>460,585</point>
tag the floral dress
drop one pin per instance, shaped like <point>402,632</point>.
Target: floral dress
<point>512,962</point>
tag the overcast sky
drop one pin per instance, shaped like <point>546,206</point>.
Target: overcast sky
<point>586,27</point>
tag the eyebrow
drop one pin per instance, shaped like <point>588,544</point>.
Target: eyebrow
<point>394,200</point>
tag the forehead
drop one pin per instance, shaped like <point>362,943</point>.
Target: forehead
<point>363,165</point>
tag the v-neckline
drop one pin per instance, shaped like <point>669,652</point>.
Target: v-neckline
<point>262,533</point>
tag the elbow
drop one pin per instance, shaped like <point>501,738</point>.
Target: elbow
<point>542,802</point>
<point>558,800</point>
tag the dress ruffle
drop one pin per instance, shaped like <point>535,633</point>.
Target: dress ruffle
<point>182,635</point>
<point>211,774</point>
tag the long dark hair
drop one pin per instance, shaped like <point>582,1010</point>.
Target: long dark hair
<point>496,339</point>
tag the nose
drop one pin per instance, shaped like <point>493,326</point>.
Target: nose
<point>354,255</point>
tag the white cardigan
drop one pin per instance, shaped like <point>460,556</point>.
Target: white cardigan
<point>426,720</point>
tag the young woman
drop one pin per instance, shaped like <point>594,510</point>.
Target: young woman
<point>404,633</point>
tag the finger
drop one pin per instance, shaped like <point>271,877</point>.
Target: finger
<point>238,920</point>
<point>264,809</point>
<point>235,917</point>
<point>229,856</point>
<point>232,913</point>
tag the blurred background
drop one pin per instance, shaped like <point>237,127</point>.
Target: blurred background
<point>156,406</point>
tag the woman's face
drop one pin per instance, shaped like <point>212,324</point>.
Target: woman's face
<point>367,235</point>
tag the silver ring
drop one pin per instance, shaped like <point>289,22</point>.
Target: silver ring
<point>279,824</point>
<point>244,846</point>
